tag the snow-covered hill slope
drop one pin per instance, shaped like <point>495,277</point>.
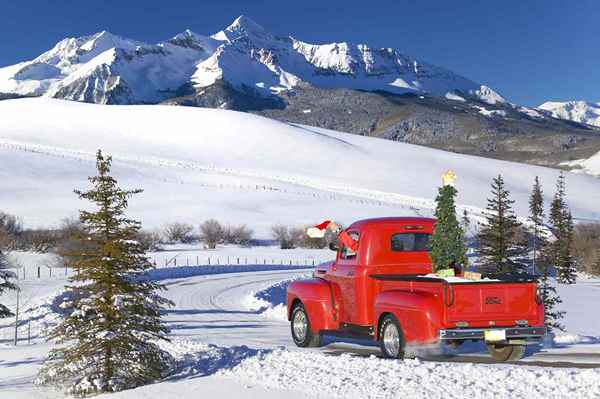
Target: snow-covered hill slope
<point>198,163</point>
<point>577,111</point>
<point>104,68</point>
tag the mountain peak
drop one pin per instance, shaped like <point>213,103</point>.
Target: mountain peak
<point>244,27</point>
<point>244,23</point>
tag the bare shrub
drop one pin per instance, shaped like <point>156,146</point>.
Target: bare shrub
<point>240,235</point>
<point>10,224</point>
<point>586,247</point>
<point>281,234</point>
<point>287,237</point>
<point>68,243</point>
<point>11,229</point>
<point>179,232</point>
<point>38,240</point>
<point>150,240</point>
<point>212,233</point>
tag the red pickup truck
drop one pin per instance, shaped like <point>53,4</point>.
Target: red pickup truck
<point>386,291</point>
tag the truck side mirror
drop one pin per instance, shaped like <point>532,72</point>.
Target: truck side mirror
<point>333,246</point>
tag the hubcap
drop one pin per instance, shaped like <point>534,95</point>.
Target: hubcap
<point>391,340</point>
<point>300,325</point>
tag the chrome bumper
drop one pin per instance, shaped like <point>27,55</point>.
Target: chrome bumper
<point>478,333</point>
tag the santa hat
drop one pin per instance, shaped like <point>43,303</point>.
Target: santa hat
<point>318,231</point>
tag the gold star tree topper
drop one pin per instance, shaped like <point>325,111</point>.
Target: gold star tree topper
<point>448,178</point>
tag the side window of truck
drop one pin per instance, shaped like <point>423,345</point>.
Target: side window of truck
<point>347,253</point>
<point>411,242</point>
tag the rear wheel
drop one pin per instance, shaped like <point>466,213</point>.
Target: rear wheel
<point>391,338</point>
<point>301,332</point>
<point>506,353</point>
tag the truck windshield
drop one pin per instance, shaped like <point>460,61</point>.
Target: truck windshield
<point>411,242</point>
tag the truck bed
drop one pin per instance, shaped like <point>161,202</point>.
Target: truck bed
<point>485,303</point>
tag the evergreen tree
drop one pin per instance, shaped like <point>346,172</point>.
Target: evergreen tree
<point>551,300</point>
<point>548,292</point>
<point>500,249</point>
<point>109,337</point>
<point>536,217</point>
<point>560,251</point>
<point>566,272</point>
<point>447,243</point>
<point>5,283</point>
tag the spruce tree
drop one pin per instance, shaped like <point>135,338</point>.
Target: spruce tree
<point>560,251</point>
<point>447,242</point>
<point>548,292</point>
<point>109,339</point>
<point>536,217</point>
<point>500,249</point>
<point>5,283</point>
<point>566,272</point>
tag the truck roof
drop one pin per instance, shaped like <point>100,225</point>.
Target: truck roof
<point>401,220</point>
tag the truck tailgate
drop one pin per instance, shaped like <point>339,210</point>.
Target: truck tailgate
<point>488,304</point>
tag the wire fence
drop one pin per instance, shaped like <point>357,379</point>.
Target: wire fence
<point>44,271</point>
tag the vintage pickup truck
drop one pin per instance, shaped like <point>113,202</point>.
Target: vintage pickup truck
<point>385,291</point>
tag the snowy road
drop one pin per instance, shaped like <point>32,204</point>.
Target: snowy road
<point>211,309</point>
<point>239,352</point>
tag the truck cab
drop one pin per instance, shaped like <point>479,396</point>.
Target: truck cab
<point>386,291</point>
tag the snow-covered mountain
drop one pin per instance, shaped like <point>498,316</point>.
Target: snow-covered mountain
<point>578,111</point>
<point>105,68</point>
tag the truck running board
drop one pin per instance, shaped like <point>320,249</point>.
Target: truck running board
<point>352,331</point>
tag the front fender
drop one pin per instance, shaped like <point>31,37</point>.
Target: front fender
<point>420,314</point>
<point>317,297</point>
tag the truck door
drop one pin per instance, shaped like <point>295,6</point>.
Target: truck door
<point>345,275</point>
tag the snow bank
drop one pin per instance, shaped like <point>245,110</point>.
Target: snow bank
<point>357,377</point>
<point>271,301</point>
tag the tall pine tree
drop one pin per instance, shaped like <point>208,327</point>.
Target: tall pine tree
<point>447,243</point>
<point>5,283</point>
<point>109,337</point>
<point>560,251</point>
<point>500,249</point>
<point>536,217</point>
<point>548,292</point>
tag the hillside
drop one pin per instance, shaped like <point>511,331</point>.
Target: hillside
<point>198,163</point>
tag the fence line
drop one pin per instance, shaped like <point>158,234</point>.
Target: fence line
<point>38,272</point>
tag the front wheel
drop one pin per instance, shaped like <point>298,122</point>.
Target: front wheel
<point>300,326</point>
<point>391,338</point>
<point>506,353</point>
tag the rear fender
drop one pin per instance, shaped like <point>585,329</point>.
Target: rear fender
<point>420,314</point>
<point>317,297</point>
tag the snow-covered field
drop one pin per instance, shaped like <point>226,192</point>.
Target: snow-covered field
<point>199,163</point>
<point>229,333</point>
<point>230,337</point>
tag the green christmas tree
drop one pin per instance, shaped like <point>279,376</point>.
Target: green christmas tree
<point>109,339</point>
<point>500,248</point>
<point>5,283</point>
<point>447,243</point>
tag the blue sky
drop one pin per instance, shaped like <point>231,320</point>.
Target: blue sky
<point>530,51</point>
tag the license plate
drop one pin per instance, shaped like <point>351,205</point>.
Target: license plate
<point>494,335</point>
